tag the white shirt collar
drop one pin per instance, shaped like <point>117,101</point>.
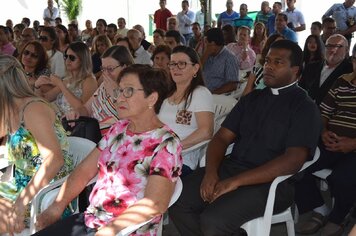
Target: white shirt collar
<point>275,91</point>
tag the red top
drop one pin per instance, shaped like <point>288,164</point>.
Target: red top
<point>160,18</point>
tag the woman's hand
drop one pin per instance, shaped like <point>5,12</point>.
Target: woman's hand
<point>72,115</point>
<point>48,217</point>
<point>16,223</point>
<point>109,85</point>
<point>42,80</point>
<point>55,80</point>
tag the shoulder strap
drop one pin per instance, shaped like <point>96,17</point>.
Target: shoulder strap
<point>22,121</point>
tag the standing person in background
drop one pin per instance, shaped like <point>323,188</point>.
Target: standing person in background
<point>227,17</point>
<point>9,23</point>
<point>197,35</point>
<point>199,15</point>
<point>329,28</point>
<point>161,16</point>
<point>276,9</point>
<point>50,13</point>
<point>316,28</point>
<point>244,19</point>
<point>295,17</point>
<point>264,14</point>
<point>185,19</point>
<point>122,30</point>
<point>344,15</point>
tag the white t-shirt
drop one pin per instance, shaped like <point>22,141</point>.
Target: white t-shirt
<point>56,62</point>
<point>183,122</point>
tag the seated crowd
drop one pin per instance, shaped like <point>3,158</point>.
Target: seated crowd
<point>153,102</point>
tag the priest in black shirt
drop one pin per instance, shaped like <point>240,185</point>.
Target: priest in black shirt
<point>274,131</point>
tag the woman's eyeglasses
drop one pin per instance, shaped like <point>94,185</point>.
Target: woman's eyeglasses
<point>126,92</point>
<point>109,69</point>
<point>180,65</point>
<point>43,38</point>
<point>71,57</point>
<point>31,54</point>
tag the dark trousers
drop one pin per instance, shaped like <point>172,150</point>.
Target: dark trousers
<point>342,184</point>
<point>70,226</point>
<point>192,216</point>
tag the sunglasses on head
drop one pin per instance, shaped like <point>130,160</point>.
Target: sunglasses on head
<point>71,57</point>
<point>43,38</point>
<point>31,54</point>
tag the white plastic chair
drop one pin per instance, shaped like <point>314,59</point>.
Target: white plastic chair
<point>322,175</point>
<point>177,191</point>
<point>222,106</point>
<point>79,148</point>
<point>262,226</point>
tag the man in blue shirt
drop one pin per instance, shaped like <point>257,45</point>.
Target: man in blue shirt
<point>228,16</point>
<point>220,66</point>
<point>277,8</point>
<point>282,28</point>
<point>244,19</point>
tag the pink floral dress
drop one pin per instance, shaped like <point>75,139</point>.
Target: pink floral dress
<point>126,160</point>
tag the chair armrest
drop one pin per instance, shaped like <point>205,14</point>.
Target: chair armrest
<point>177,191</point>
<point>197,146</point>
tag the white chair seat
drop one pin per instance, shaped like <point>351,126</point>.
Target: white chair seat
<point>262,226</point>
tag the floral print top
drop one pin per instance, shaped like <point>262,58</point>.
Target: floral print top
<point>125,162</point>
<point>23,152</point>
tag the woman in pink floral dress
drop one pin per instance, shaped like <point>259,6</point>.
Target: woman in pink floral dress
<point>137,163</point>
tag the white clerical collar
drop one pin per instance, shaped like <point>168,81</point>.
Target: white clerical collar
<point>275,91</point>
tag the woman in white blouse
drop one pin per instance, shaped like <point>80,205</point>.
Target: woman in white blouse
<point>189,110</point>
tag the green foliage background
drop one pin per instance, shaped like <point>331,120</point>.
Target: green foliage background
<point>72,8</point>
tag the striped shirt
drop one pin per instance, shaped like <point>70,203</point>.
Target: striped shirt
<point>339,107</point>
<point>103,108</point>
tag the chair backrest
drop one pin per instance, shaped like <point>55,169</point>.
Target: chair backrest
<point>222,106</point>
<point>79,148</point>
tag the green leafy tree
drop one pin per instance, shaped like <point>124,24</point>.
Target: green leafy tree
<point>72,8</point>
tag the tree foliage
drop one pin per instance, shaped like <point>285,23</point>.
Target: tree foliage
<point>72,8</point>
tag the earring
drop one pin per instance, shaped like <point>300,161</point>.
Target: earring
<point>195,75</point>
<point>150,107</point>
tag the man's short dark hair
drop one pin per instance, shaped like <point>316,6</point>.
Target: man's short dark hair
<point>58,19</point>
<point>174,34</point>
<point>296,55</point>
<point>317,24</point>
<point>197,24</point>
<point>5,29</point>
<point>113,26</point>
<point>27,21</point>
<point>328,20</point>
<point>74,26</point>
<point>185,1</point>
<point>278,3</point>
<point>285,17</point>
<point>215,35</point>
<point>122,18</point>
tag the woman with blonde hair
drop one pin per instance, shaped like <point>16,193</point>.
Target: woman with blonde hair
<point>259,37</point>
<point>36,144</point>
<point>79,84</point>
<point>100,44</point>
